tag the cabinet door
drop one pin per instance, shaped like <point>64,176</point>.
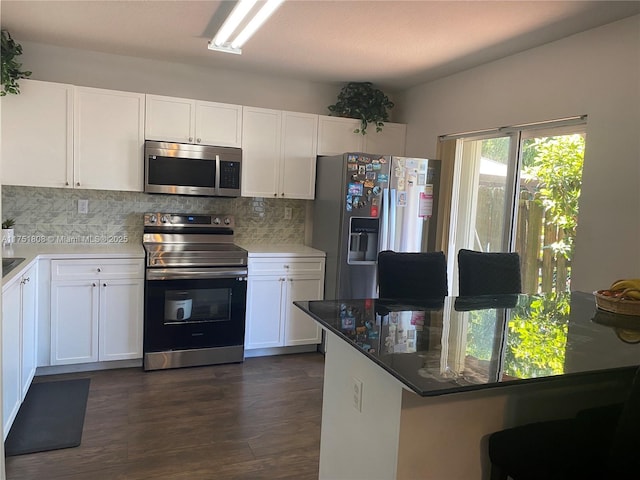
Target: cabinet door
<point>74,322</point>
<point>263,321</point>
<point>11,392</point>
<point>300,329</point>
<point>120,323</point>
<point>169,119</point>
<point>299,148</point>
<point>218,124</point>
<point>390,141</point>
<point>29,337</point>
<point>261,130</point>
<point>336,135</point>
<point>108,139</point>
<point>37,135</point>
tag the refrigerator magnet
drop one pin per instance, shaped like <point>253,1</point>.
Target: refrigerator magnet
<point>402,199</point>
<point>400,184</point>
<point>422,178</point>
<point>425,204</point>
<point>370,176</point>
<point>369,183</point>
<point>355,189</point>
<point>362,169</point>
<point>383,178</point>
<point>349,203</point>
<point>352,167</point>
<point>369,167</point>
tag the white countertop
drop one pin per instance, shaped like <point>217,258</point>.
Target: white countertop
<point>32,252</point>
<point>281,250</point>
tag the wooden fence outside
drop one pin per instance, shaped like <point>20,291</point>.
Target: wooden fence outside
<point>541,272</point>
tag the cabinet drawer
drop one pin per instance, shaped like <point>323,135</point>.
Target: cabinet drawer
<point>280,266</point>
<point>97,268</point>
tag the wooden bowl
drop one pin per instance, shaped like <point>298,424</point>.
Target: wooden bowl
<point>616,305</point>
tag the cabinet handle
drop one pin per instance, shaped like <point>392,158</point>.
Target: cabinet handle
<point>286,266</point>
<point>93,284</point>
<point>198,140</point>
<point>26,280</point>
<point>282,194</point>
<point>104,284</point>
<point>190,139</point>
<point>66,184</point>
<point>275,194</point>
<point>77,184</point>
<point>99,269</point>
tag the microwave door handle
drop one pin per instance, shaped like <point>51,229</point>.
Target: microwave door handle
<point>217,182</point>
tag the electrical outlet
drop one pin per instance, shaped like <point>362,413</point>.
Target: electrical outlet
<point>287,213</point>
<point>83,206</point>
<point>357,393</point>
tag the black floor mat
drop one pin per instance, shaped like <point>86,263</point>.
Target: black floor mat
<point>51,417</point>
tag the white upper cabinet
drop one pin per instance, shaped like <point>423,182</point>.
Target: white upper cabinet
<point>108,139</point>
<point>57,135</point>
<point>37,135</point>
<point>336,135</point>
<point>298,161</point>
<point>184,120</point>
<point>389,141</point>
<point>278,153</point>
<point>261,135</point>
<point>218,124</point>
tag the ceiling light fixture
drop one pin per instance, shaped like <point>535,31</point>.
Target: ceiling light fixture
<point>221,40</point>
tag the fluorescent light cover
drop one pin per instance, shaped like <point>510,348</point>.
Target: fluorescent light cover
<point>236,16</point>
<point>255,23</point>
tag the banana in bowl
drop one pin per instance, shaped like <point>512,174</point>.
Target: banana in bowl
<point>623,297</point>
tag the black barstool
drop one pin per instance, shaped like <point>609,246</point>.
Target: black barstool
<point>412,275</point>
<point>488,273</point>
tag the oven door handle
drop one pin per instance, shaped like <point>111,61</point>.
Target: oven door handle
<point>196,274</point>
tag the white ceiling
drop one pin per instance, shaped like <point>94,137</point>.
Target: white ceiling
<point>394,44</point>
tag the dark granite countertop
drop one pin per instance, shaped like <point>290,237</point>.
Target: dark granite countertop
<point>461,344</point>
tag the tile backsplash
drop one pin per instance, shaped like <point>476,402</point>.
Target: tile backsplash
<point>50,215</point>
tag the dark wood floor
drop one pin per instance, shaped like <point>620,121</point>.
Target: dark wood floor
<point>256,420</point>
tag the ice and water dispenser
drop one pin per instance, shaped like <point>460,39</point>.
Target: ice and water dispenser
<point>363,240</point>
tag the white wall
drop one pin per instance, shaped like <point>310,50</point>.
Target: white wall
<point>595,73</point>
<point>93,69</point>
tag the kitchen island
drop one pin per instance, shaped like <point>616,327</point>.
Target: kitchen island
<point>412,390</point>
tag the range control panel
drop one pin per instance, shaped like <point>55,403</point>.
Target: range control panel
<point>188,220</point>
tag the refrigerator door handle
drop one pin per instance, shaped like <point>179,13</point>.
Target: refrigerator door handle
<point>392,220</point>
<point>384,219</point>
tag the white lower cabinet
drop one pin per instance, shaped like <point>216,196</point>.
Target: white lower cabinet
<point>18,343</point>
<point>96,310</point>
<point>273,285</point>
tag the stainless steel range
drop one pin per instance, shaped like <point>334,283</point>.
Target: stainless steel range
<point>195,291</point>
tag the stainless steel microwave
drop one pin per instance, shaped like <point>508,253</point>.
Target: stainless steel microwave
<point>185,169</point>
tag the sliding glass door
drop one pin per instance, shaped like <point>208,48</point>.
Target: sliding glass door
<point>518,190</point>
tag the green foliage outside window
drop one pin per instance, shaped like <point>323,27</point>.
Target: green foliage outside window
<point>556,165</point>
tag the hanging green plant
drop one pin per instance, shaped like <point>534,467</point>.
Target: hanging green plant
<point>362,101</point>
<point>10,67</point>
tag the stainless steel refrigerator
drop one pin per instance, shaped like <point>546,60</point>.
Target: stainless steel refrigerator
<point>366,203</point>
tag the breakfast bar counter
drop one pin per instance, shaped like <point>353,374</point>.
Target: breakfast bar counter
<point>412,390</point>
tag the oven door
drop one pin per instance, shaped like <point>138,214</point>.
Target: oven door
<point>194,308</point>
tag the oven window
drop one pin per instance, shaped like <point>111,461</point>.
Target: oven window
<point>197,305</point>
<point>187,172</point>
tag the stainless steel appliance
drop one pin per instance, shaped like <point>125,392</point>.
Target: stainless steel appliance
<point>185,169</point>
<point>195,291</point>
<point>366,203</point>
